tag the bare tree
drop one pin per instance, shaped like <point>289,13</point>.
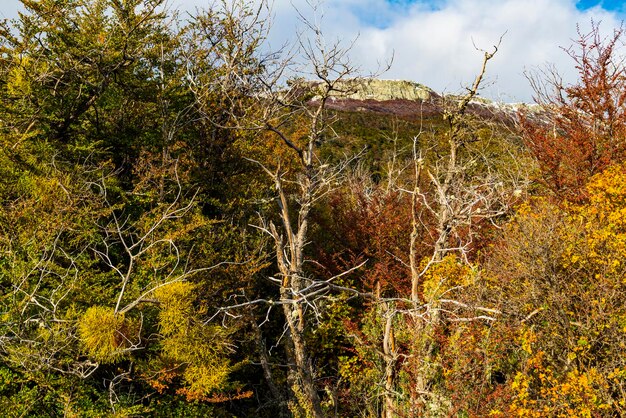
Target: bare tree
<point>459,197</point>
<point>257,100</point>
<point>455,185</point>
<point>454,192</point>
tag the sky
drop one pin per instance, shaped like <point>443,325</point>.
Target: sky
<point>438,42</point>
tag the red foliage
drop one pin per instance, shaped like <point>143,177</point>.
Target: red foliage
<point>373,226</point>
<point>583,129</point>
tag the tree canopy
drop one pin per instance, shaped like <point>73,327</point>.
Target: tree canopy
<point>192,225</point>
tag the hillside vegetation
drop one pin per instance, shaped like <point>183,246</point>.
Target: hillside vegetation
<point>192,226</point>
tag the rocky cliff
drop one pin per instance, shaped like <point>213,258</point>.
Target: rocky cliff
<point>381,90</point>
<point>411,100</point>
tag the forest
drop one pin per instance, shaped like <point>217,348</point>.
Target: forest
<point>194,226</point>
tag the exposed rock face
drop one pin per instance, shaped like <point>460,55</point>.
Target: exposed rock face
<point>407,99</point>
<point>375,89</point>
<point>382,90</point>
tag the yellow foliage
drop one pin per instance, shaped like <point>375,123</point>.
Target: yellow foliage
<point>446,275</point>
<point>527,339</point>
<point>607,196</point>
<point>540,391</point>
<point>176,306</point>
<point>18,84</point>
<point>199,349</point>
<point>604,218</point>
<point>102,333</point>
<point>356,371</point>
<point>205,378</point>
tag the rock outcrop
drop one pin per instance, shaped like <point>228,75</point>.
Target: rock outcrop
<point>382,90</point>
<point>406,99</point>
<point>375,89</point>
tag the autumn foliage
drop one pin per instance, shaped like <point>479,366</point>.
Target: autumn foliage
<point>580,128</point>
<point>184,235</point>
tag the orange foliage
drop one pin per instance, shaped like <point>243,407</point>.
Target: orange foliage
<point>582,128</point>
<point>217,398</point>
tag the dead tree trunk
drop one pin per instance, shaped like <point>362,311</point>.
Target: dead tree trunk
<point>289,248</point>
<point>450,204</point>
<point>391,359</point>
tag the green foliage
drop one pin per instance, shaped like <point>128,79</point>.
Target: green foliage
<point>95,123</point>
<point>128,197</point>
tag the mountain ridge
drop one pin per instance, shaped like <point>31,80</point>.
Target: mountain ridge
<point>411,100</point>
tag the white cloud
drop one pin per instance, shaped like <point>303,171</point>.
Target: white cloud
<point>433,45</point>
<point>436,47</point>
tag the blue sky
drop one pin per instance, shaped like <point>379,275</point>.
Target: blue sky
<point>606,4</point>
<point>434,41</point>
<point>581,4</point>
<point>375,19</point>
<point>615,5</point>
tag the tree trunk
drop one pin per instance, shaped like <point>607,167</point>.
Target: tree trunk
<point>391,358</point>
<point>267,373</point>
<point>304,368</point>
<point>290,259</point>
